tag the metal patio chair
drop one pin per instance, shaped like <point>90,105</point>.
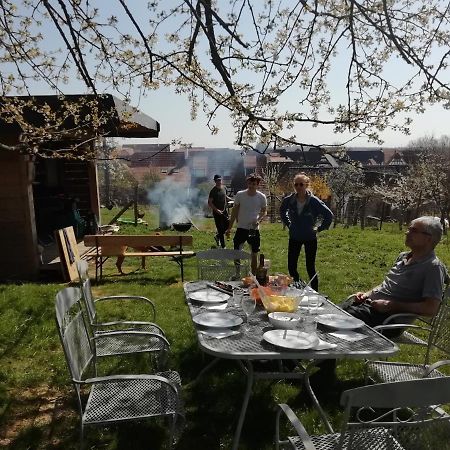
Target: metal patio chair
<point>438,342</point>
<point>221,264</point>
<point>125,341</point>
<point>90,303</point>
<point>116,398</point>
<point>404,415</point>
<point>413,323</point>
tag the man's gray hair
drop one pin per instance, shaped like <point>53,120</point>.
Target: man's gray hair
<point>431,225</point>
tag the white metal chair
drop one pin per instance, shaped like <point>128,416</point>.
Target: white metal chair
<point>125,341</point>
<point>438,341</point>
<point>121,343</point>
<point>117,398</point>
<point>404,415</point>
<point>222,264</point>
<point>90,303</point>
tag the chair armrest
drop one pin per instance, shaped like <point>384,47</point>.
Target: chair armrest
<point>129,297</point>
<point>435,366</point>
<point>124,378</point>
<point>132,323</point>
<point>400,325</point>
<point>298,426</point>
<point>107,334</point>
<point>400,316</point>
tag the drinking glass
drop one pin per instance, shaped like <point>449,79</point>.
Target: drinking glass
<point>235,299</point>
<point>310,325</point>
<point>313,303</point>
<point>307,324</point>
<point>248,305</point>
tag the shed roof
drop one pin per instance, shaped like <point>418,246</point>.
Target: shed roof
<point>73,118</point>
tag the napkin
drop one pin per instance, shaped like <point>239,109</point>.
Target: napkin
<point>324,345</point>
<point>219,334</point>
<point>318,310</point>
<point>216,307</point>
<point>351,336</point>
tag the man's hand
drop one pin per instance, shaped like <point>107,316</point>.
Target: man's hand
<point>227,233</point>
<point>218,211</point>
<point>360,297</point>
<point>383,306</point>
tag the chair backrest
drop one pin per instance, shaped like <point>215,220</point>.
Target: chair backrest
<point>72,332</point>
<point>403,414</point>
<point>222,264</point>
<point>82,268</point>
<point>440,332</point>
<point>86,290</point>
<point>89,303</point>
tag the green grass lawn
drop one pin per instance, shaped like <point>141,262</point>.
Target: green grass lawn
<point>37,406</point>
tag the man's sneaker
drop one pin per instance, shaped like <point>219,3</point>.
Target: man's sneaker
<point>216,238</point>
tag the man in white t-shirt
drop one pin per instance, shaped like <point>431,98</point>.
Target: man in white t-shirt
<point>249,209</point>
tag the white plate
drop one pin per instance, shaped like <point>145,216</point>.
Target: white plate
<point>291,339</point>
<point>339,321</point>
<point>217,320</point>
<point>209,295</point>
<point>304,301</point>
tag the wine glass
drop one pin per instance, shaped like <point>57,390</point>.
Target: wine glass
<point>248,305</point>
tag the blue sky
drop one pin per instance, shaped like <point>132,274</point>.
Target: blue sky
<point>172,111</point>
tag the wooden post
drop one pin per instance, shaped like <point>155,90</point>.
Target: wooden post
<point>136,204</point>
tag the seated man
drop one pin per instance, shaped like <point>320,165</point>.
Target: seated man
<point>413,285</point>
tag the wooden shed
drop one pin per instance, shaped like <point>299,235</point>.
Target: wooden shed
<point>43,173</point>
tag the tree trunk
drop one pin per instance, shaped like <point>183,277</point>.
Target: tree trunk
<point>382,215</point>
<point>362,213</point>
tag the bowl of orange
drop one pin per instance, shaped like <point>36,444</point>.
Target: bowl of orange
<point>281,303</point>
<point>255,293</point>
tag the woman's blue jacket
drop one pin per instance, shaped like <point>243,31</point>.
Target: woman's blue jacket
<point>315,217</point>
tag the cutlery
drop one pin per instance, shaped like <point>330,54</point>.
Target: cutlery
<point>219,335</point>
<point>217,288</point>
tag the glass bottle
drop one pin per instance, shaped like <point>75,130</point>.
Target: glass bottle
<point>261,271</point>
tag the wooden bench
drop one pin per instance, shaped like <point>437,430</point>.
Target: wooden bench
<point>117,245</point>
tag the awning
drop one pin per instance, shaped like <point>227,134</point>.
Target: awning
<point>61,119</point>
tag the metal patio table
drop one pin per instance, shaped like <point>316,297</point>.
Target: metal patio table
<point>249,347</point>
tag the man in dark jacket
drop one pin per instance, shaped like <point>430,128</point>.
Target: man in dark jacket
<point>217,201</point>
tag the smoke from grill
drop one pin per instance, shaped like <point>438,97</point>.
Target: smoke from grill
<point>177,202</point>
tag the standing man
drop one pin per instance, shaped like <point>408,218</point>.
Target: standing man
<point>217,201</point>
<point>249,209</point>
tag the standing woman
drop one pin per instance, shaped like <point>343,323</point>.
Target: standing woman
<point>305,215</point>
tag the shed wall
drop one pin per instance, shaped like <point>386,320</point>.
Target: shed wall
<point>18,240</point>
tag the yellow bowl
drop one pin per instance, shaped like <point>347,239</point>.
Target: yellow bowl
<point>280,303</point>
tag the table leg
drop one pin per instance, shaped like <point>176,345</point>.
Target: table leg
<point>247,367</point>
<point>207,367</point>
<point>314,398</point>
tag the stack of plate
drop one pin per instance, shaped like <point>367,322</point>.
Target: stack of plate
<point>217,324</point>
<point>209,296</point>
<point>339,321</point>
<point>291,339</point>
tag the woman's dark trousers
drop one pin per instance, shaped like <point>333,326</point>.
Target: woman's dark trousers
<point>310,256</point>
